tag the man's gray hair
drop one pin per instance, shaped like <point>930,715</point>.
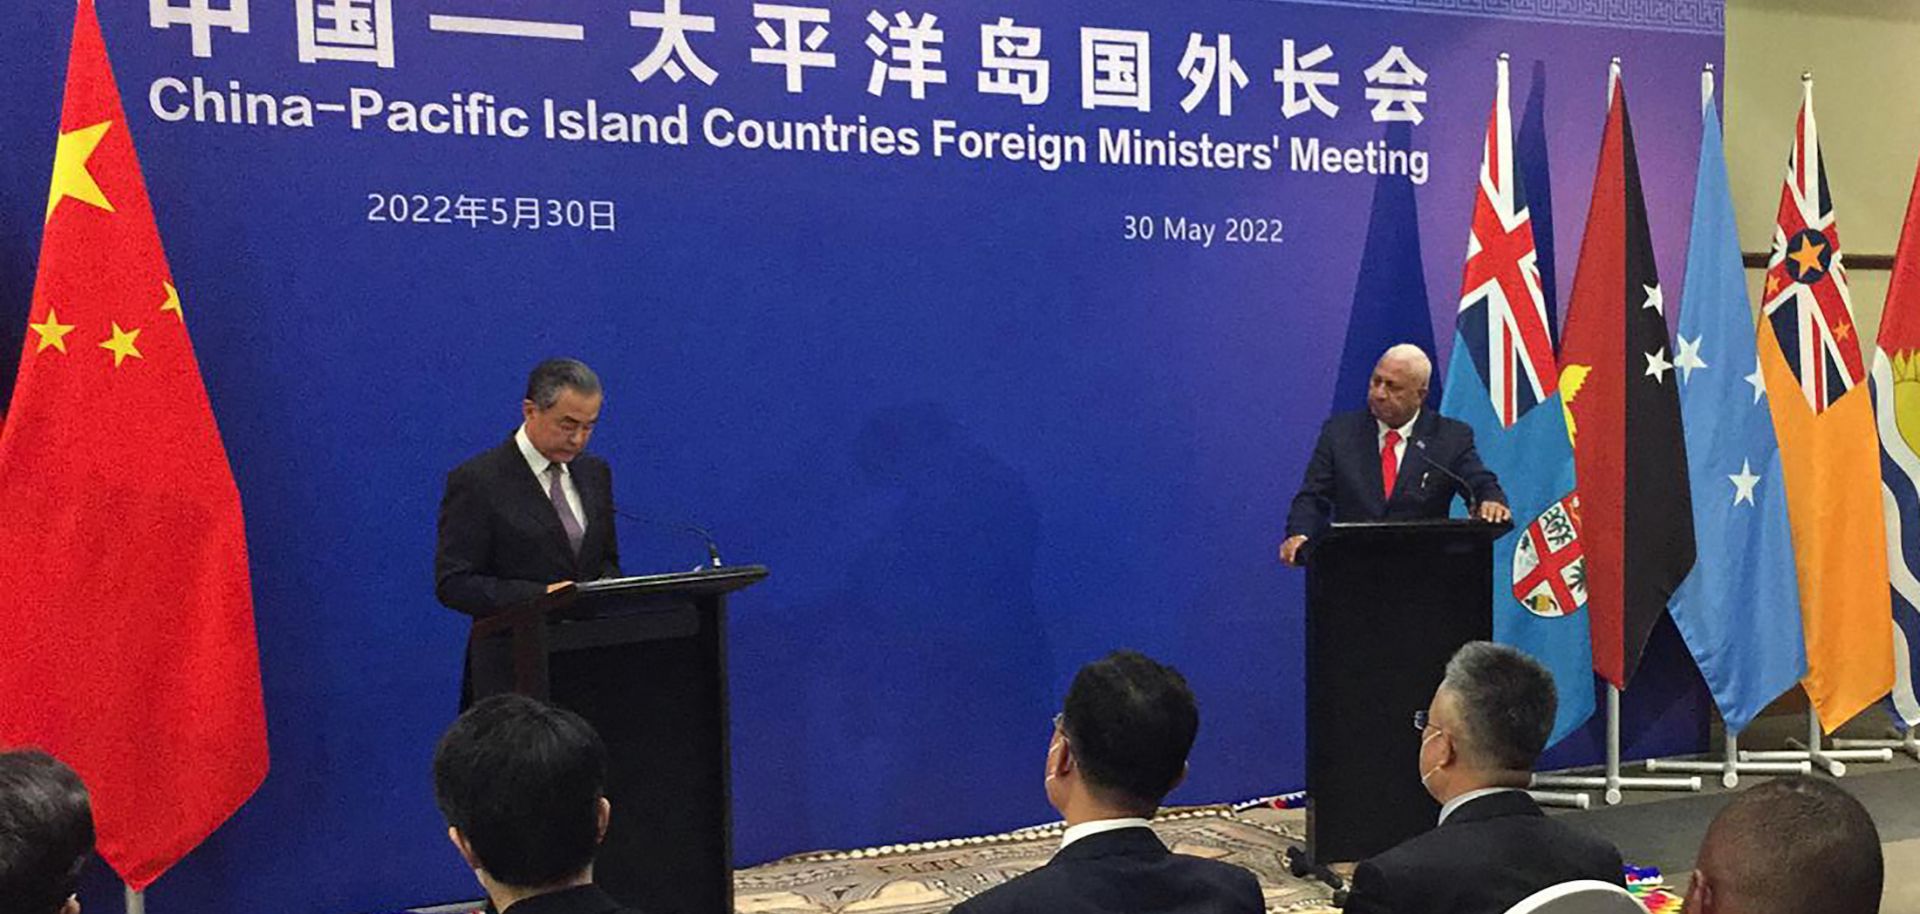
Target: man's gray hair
<point>1414,356</point>
<point>553,375</point>
<point>1506,702</point>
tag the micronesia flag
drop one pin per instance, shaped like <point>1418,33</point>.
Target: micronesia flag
<point>1503,381</point>
<point>1896,406</point>
<point>1739,608</point>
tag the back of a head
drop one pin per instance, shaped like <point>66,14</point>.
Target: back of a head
<point>1130,722</point>
<point>522,781</point>
<point>46,832</point>
<point>1506,702</point>
<point>1794,845</point>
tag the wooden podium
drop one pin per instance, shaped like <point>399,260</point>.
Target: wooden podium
<point>1387,604</point>
<point>643,659</point>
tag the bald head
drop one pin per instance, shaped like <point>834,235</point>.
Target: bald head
<point>1794,845</point>
<point>1399,384</point>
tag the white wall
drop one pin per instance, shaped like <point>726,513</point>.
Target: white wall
<point>1865,57</point>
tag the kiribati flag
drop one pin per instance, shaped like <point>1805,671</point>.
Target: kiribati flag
<point>1504,382</point>
<point>1896,404</point>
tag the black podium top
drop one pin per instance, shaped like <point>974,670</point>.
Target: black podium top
<point>1436,525</point>
<point>619,596</point>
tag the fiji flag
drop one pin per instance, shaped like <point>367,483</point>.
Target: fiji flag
<point>1739,609</point>
<point>1504,382</point>
<point>1896,404</point>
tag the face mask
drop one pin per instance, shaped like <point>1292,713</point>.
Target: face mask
<point>1436,769</point>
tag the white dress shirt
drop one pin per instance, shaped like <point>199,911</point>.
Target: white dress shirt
<point>1089,829</point>
<point>1399,447</point>
<point>539,463</point>
<point>1466,798</point>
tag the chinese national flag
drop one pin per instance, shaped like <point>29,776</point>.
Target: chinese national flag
<point>127,621</point>
<point>1620,377</point>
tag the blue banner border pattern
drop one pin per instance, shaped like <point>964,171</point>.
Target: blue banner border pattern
<point>1699,17</point>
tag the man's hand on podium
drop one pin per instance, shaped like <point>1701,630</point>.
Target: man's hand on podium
<point>558,586</point>
<point>1494,512</point>
<point>1290,548</point>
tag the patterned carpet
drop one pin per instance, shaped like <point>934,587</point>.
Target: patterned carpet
<point>931,877</point>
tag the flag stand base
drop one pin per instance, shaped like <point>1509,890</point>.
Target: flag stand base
<point>1730,768</point>
<point>1910,745</point>
<point>1834,760</point>
<point>1612,783</point>
<point>1557,798</point>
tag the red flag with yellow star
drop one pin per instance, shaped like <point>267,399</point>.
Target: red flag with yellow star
<point>127,621</point>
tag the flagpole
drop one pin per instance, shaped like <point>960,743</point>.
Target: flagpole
<point>1611,781</point>
<point>1811,749</point>
<point>1729,767</point>
<point>136,901</point>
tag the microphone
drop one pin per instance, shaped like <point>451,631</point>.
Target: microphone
<point>713,550</point>
<point>1460,485</point>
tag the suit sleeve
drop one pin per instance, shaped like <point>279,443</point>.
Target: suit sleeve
<point>1368,893</point>
<point>1612,868</point>
<point>1485,485</point>
<point>460,559</point>
<point>610,565</point>
<point>1313,504</point>
<point>1255,900</point>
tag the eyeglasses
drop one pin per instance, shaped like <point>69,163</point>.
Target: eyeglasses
<point>1060,722</point>
<point>1420,721</point>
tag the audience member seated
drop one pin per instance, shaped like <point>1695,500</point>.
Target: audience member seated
<point>1493,846</point>
<point>1794,845</point>
<point>46,834</point>
<point>523,787</point>
<point>1117,748</point>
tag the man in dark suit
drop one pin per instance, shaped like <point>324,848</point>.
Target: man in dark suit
<point>1392,461</point>
<point>46,834</point>
<point>1118,747</point>
<point>1479,738</point>
<point>530,516</point>
<point>523,787</point>
<point>1793,845</point>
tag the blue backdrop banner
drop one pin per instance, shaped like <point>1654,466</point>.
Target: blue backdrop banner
<point>998,329</point>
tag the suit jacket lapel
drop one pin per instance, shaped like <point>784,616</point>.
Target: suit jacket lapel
<point>591,497</point>
<point>1369,443</point>
<point>1411,462</point>
<point>537,506</point>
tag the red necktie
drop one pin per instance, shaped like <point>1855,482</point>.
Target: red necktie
<point>1389,467</point>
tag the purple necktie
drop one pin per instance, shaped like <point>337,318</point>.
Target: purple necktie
<point>558,494</point>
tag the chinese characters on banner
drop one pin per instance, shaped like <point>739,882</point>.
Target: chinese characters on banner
<point>907,48</point>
